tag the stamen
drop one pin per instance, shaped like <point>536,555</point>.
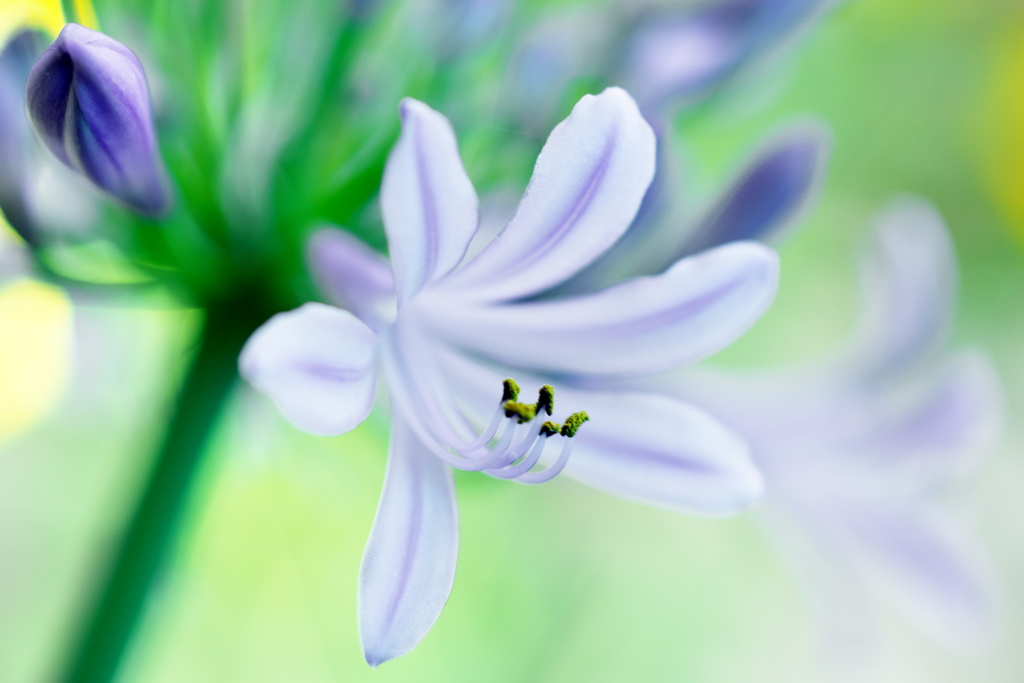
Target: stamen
<point>550,428</point>
<point>546,399</point>
<point>553,471</point>
<point>524,411</point>
<point>573,423</point>
<point>523,467</point>
<point>509,390</point>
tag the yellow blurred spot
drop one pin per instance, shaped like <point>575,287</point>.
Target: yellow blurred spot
<point>42,14</point>
<point>1002,129</point>
<point>35,344</point>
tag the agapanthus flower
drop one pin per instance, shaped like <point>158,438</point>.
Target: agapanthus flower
<point>860,448</point>
<point>462,344</point>
<point>88,101</point>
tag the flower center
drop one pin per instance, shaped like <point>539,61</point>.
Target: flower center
<point>517,444</point>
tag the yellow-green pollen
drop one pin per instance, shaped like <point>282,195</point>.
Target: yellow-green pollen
<point>525,412</point>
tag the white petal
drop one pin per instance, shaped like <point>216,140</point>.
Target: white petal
<point>317,364</point>
<point>586,187</point>
<point>660,451</point>
<point>694,309</point>
<point>409,563</point>
<point>352,275</point>
<point>427,201</point>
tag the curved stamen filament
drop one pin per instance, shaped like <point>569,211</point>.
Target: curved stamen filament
<point>553,471</point>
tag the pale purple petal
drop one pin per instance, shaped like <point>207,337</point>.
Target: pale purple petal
<point>427,201</point>
<point>586,188</point>
<point>644,447</point>
<point>660,451</point>
<point>909,280</point>
<point>947,426</point>
<point>694,309</point>
<point>352,275</point>
<point>317,363</point>
<point>930,570</point>
<point>768,195</point>
<point>409,563</point>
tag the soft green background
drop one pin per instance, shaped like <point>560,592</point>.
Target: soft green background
<point>555,583</point>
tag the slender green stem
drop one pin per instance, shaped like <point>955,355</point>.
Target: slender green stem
<point>70,11</point>
<point>121,597</point>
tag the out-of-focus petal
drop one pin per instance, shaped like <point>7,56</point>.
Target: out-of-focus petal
<point>427,201</point>
<point>956,418</point>
<point>317,363</point>
<point>909,280</point>
<point>930,571</point>
<point>683,55</point>
<point>88,101</point>
<point>352,275</point>
<point>692,310</point>
<point>409,563</point>
<point>586,188</point>
<point>768,195</point>
<point>660,451</point>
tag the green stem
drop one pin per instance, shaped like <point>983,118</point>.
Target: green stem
<point>70,11</point>
<point>120,600</point>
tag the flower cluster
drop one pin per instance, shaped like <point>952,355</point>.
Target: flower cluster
<point>219,175</point>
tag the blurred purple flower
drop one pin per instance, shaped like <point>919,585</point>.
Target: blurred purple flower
<point>680,57</point>
<point>89,104</point>
<point>447,335</point>
<point>858,448</point>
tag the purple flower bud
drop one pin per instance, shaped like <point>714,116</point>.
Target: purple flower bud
<point>89,103</point>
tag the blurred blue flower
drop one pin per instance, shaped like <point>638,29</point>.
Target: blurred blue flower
<point>448,333</point>
<point>859,448</point>
<point>89,103</point>
<point>676,57</point>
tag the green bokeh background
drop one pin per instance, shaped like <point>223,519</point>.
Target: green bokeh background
<point>556,583</point>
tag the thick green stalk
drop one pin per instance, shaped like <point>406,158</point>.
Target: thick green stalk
<point>120,601</point>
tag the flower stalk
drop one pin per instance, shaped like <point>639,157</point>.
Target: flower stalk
<point>111,620</point>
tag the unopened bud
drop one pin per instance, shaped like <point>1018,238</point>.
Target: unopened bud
<point>89,103</point>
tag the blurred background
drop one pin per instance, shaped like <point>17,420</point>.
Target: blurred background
<point>557,582</point>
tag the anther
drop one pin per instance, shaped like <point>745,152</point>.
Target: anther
<point>573,424</point>
<point>524,411</point>
<point>509,390</point>
<point>550,428</point>
<point>546,399</point>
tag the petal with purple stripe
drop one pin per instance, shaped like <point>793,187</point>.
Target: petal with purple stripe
<point>427,201</point>
<point>409,563</point>
<point>317,363</point>
<point>692,310</point>
<point>660,451</point>
<point>586,188</point>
